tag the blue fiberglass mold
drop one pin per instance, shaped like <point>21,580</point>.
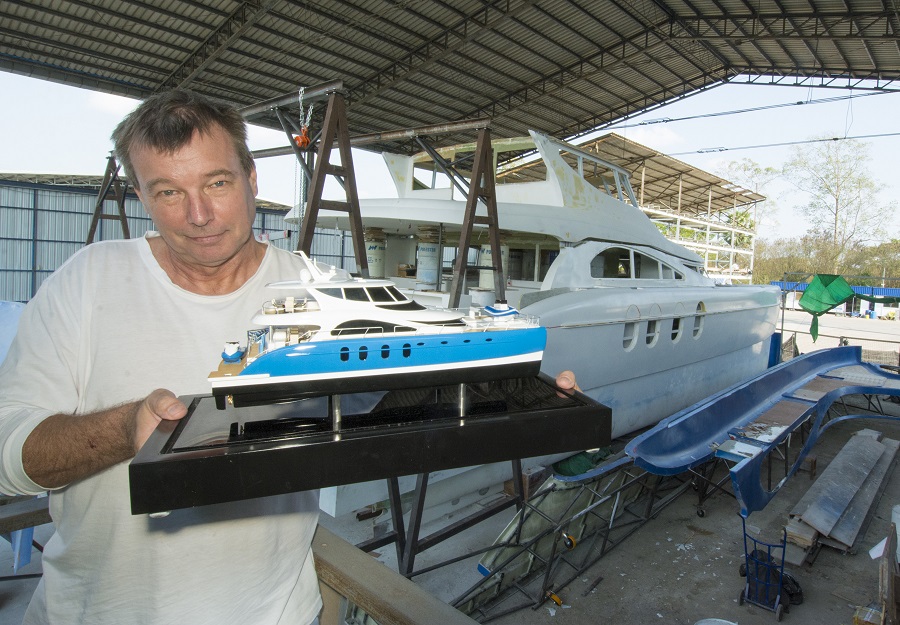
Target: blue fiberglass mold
<point>698,433</point>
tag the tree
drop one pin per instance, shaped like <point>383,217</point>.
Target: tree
<point>811,253</point>
<point>842,195</point>
<point>753,176</point>
<point>739,218</point>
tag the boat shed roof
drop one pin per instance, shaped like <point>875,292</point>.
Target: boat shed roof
<point>564,67</point>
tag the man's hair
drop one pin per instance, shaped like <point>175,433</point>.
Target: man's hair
<point>167,121</point>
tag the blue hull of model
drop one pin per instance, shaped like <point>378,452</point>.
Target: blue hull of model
<point>372,354</point>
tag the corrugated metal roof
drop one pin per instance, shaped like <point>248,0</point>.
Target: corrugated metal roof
<point>92,184</point>
<point>560,66</point>
<point>659,181</point>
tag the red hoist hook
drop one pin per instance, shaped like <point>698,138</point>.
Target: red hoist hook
<point>302,140</point>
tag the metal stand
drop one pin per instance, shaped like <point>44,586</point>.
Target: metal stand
<point>546,551</point>
<point>112,188</point>
<point>481,189</point>
<point>335,131</point>
<point>408,540</point>
<point>334,128</point>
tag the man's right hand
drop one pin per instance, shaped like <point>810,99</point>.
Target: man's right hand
<point>158,406</point>
<point>64,448</point>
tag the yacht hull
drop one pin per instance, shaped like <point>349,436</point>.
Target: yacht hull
<point>647,353</point>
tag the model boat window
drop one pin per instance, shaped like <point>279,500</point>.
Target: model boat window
<point>379,294</point>
<point>368,326</point>
<point>356,295</point>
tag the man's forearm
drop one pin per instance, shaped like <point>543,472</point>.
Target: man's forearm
<point>65,448</point>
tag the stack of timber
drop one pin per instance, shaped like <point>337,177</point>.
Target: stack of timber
<point>835,509</point>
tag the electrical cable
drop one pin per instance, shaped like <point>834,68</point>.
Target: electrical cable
<point>666,120</point>
<point>786,143</point>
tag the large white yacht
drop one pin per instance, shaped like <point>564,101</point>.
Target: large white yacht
<point>633,314</point>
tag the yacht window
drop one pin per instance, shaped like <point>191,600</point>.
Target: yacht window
<point>385,351</point>
<point>668,272</point>
<point>697,268</point>
<point>356,295</point>
<point>613,262</point>
<point>379,294</point>
<point>645,267</point>
<point>363,352</point>
<point>332,293</point>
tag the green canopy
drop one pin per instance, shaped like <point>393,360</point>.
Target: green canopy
<point>826,291</point>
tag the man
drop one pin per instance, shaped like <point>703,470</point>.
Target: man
<point>147,318</point>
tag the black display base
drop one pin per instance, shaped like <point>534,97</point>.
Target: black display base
<point>216,456</point>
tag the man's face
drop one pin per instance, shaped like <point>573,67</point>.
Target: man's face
<point>199,197</point>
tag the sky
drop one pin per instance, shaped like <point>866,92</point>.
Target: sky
<point>52,128</point>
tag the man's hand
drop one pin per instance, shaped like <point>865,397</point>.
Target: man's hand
<point>159,405</point>
<point>64,448</point>
<point>565,381</point>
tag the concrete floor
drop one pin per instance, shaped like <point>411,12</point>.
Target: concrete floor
<point>678,568</point>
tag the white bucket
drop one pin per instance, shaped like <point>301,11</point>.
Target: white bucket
<point>485,259</point>
<point>427,265</point>
<point>375,249</point>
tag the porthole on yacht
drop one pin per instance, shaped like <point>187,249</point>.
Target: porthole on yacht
<point>676,329</point>
<point>698,319</point>
<point>652,332</point>
<point>630,335</point>
<point>654,325</point>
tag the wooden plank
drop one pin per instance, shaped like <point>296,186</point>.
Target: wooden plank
<point>816,388</point>
<point>848,526</point>
<point>795,555</point>
<point>783,415</point>
<point>811,494</point>
<point>840,481</point>
<point>385,595</point>
<point>800,533</point>
<point>887,573</point>
<point>24,513</point>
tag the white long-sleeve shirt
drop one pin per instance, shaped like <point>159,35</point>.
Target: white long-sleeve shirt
<point>107,328</point>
